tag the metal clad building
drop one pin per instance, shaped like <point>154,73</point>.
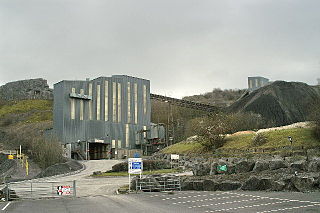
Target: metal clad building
<point>107,112</point>
<point>257,82</point>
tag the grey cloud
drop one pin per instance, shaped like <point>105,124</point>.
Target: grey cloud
<point>184,47</point>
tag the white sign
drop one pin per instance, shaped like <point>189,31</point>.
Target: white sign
<point>135,165</point>
<point>174,157</point>
<point>63,190</point>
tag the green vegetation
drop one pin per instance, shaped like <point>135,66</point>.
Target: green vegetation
<point>24,123</point>
<point>125,173</point>
<point>271,139</point>
<point>217,97</point>
<point>184,148</point>
<point>211,130</point>
<point>17,107</point>
<point>40,116</point>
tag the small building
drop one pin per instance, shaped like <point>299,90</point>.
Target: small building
<point>318,79</point>
<point>96,118</point>
<point>256,82</point>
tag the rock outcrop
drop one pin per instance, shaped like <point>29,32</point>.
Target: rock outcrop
<point>26,89</point>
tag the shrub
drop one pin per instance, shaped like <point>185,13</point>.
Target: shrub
<point>314,116</point>
<point>259,139</point>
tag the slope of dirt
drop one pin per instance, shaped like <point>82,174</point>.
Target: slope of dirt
<point>279,103</point>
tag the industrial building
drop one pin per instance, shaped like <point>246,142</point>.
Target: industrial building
<point>105,117</point>
<point>257,82</point>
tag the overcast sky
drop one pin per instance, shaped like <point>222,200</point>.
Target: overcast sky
<point>183,47</point>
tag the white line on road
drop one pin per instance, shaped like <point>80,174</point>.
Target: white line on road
<point>4,208</point>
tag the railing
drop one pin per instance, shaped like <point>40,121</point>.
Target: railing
<point>185,103</point>
<point>39,190</point>
<point>160,183</point>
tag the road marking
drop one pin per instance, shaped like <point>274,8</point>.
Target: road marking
<point>4,208</point>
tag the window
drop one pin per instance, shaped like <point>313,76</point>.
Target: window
<point>73,105</point>
<point>144,99</point>
<point>106,101</point>
<point>119,102</point>
<point>90,102</point>
<point>127,136</point>
<point>98,102</point>
<point>136,103</point>
<point>129,103</point>
<point>81,104</point>
<point>114,101</point>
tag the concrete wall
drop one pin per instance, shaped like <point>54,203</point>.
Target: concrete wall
<point>112,109</point>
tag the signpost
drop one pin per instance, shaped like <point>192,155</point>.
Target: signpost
<point>135,166</point>
<point>174,157</point>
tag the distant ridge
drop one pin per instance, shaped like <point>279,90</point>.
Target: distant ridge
<point>280,103</point>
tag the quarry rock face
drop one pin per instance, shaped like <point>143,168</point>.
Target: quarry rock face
<point>26,90</point>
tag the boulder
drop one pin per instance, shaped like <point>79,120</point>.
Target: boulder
<point>260,166</point>
<point>228,185</point>
<point>277,164</point>
<point>187,185</point>
<point>244,166</point>
<point>201,169</point>
<point>300,165</point>
<point>278,185</point>
<point>209,185</point>
<point>303,183</point>
<point>257,183</point>
<point>314,166</point>
<point>198,185</point>
<point>97,173</point>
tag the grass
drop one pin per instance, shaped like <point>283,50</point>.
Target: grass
<point>275,139</point>
<point>115,174</point>
<point>18,107</point>
<point>40,116</point>
<point>26,111</point>
<point>184,148</point>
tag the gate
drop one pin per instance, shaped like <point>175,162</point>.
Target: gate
<point>158,183</point>
<point>40,190</point>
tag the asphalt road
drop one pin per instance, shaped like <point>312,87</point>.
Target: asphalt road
<point>187,201</point>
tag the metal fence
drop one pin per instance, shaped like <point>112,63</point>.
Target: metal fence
<point>39,190</point>
<point>161,183</point>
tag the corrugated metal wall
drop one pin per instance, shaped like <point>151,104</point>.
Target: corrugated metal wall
<point>119,104</point>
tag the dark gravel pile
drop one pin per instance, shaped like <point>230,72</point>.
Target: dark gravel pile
<point>61,168</point>
<point>279,103</point>
<point>6,165</point>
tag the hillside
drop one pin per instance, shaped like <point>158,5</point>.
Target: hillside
<point>279,103</point>
<point>217,97</point>
<point>25,123</point>
<point>276,138</point>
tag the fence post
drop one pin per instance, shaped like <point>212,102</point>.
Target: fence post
<point>74,189</point>
<point>31,188</point>
<point>8,192</point>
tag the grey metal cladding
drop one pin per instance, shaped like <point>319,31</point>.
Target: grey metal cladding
<point>71,130</point>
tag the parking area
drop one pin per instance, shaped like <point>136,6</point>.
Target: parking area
<point>239,201</point>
